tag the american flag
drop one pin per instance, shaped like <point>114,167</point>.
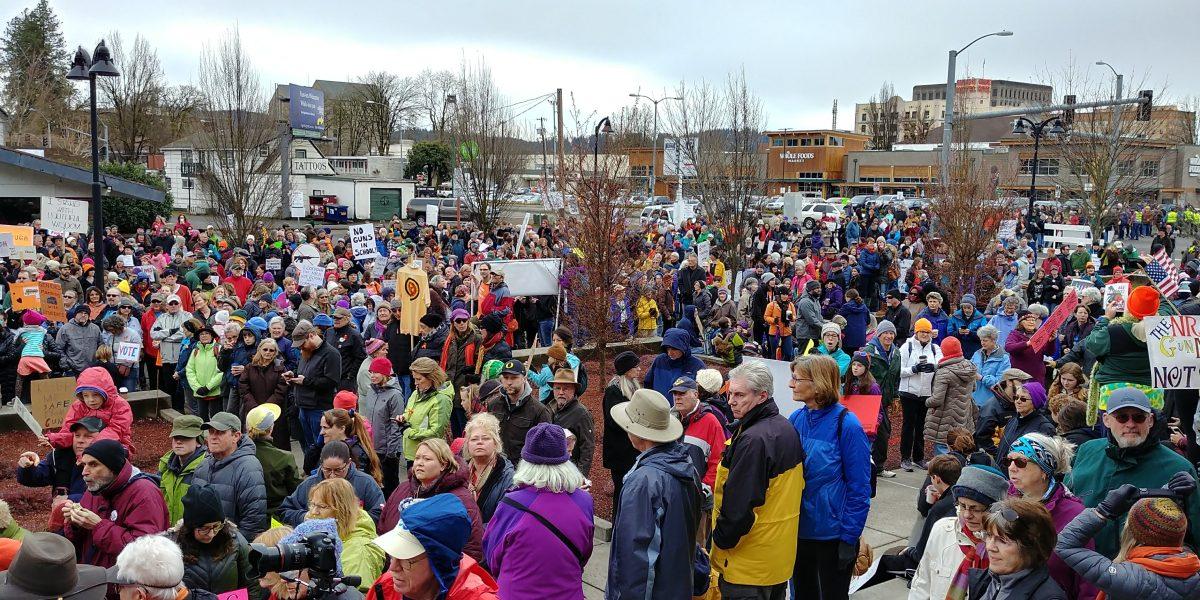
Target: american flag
<point>1164,274</point>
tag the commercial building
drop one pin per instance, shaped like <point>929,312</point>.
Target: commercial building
<point>26,178</point>
<point>809,160</point>
<point>913,119</point>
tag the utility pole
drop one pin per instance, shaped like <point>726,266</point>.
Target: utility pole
<point>285,162</point>
<point>542,132</point>
<point>558,108</point>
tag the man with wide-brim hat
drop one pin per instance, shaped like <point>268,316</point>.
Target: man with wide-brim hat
<point>45,568</point>
<point>661,494</point>
<point>567,412</point>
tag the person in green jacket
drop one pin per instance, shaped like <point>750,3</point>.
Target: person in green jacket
<point>204,374</point>
<point>279,466</point>
<point>175,468</point>
<point>1119,345</point>
<point>427,414</point>
<point>335,499</point>
<point>1131,454</point>
<point>199,274</point>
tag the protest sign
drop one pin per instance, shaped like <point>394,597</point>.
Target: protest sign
<point>147,270</point>
<point>128,352</point>
<point>50,293</point>
<point>305,254</point>
<point>25,296</point>
<point>865,407</point>
<point>274,264</point>
<point>379,267</point>
<point>431,215</point>
<point>26,417</point>
<point>126,259</point>
<point>22,236</point>
<point>50,399</point>
<point>703,253</point>
<point>239,594</point>
<point>1116,292</point>
<point>1172,343</point>
<point>6,245</point>
<point>362,241</point>
<point>60,215</point>
<point>1008,230</point>
<point>531,276</point>
<point>1060,315</point>
<point>312,275</point>
<point>1082,283</point>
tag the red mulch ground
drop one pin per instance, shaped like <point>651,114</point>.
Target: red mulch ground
<point>31,506</point>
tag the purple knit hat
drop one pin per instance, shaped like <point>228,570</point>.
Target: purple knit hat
<point>545,444</point>
<point>1037,394</point>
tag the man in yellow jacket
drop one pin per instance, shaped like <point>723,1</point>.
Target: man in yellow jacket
<point>756,509</point>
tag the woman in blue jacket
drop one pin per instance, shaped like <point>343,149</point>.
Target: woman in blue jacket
<point>857,317</point>
<point>965,324</point>
<point>991,361</point>
<point>837,481</point>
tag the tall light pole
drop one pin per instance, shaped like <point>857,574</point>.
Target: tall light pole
<point>88,68</point>
<point>654,148</point>
<point>603,126</point>
<point>1116,117</point>
<point>948,120</point>
<point>1037,130</point>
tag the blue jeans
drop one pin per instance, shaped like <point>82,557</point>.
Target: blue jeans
<point>406,385</point>
<point>310,424</point>
<point>545,328</point>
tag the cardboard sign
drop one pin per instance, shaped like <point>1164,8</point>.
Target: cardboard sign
<point>50,293</point>
<point>1056,319</point>
<point>379,267</point>
<point>60,215</point>
<point>703,253</point>
<point>1174,354</point>
<point>274,264</point>
<point>311,275</point>
<point>1116,292</point>
<point>128,353</point>
<point>431,215</point>
<point>22,236</point>
<point>148,270</point>
<point>50,400</point>
<point>6,245</point>
<point>25,296</point>
<point>362,241</point>
<point>866,408</point>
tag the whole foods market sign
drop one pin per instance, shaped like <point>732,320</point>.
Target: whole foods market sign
<point>795,157</point>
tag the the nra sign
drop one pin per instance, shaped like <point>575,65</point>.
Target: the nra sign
<point>795,157</point>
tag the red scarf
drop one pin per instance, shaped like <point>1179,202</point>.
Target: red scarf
<point>1176,564</point>
<point>973,558</point>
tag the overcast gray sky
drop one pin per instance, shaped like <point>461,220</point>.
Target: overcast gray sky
<point>798,55</point>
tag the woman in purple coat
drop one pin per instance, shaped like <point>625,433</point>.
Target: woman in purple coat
<point>1020,350</point>
<point>520,546</point>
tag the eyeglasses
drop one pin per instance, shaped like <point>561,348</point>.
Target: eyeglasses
<point>318,505</point>
<point>213,529</point>
<point>113,295</point>
<point>970,510</point>
<point>173,303</point>
<point>1019,460</point>
<point>460,320</point>
<point>409,564</point>
<point>1123,418</point>
<point>799,379</point>
<point>335,471</point>
<point>126,308</point>
<point>271,350</point>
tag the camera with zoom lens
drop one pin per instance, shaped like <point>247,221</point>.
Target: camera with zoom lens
<point>317,553</point>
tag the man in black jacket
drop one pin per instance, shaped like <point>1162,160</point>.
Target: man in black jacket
<point>686,280</point>
<point>516,408</point>
<point>898,314</point>
<point>316,378</point>
<point>349,344</point>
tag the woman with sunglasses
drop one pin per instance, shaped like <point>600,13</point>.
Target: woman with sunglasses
<point>1036,466</point>
<point>1029,401</point>
<point>215,555</point>
<point>1019,538</point>
<point>262,379</point>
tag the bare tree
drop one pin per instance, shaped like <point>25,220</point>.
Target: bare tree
<point>347,122</point>
<point>489,149</point>
<point>135,98</point>
<point>434,87</point>
<point>391,102</point>
<point>725,124</point>
<point>238,137</point>
<point>916,128</point>
<point>177,113</point>
<point>883,118</point>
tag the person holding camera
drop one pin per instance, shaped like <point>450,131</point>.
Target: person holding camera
<point>1131,454</point>
<point>779,315</point>
<point>1153,561</point>
<point>919,357</point>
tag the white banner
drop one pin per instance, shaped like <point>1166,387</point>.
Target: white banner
<point>60,215</point>
<point>362,241</point>
<point>521,237</point>
<point>431,215</point>
<point>1008,229</point>
<point>274,264</point>
<point>529,277</point>
<point>312,275</point>
<point>1116,292</point>
<point>1174,353</point>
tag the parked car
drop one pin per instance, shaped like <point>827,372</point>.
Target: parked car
<point>818,212</point>
<point>861,200</point>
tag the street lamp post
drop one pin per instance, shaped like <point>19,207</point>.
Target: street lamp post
<point>948,120</point>
<point>604,126</point>
<point>88,68</point>
<point>1036,130</point>
<point>654,147</point>
<point>1116,118</point>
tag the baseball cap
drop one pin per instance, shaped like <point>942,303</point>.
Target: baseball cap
<point>683,384</point>
<point>342,312</point>
<point>513,367</point>
<point>223,421</point>
<point>92,424</point>
<point>400,543</point>
<point>187,426</point>
<point>1128,397</point>
<point>263,416</point>
<point>322,320</point>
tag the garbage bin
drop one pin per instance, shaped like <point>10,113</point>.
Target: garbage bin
<point>336,213</point>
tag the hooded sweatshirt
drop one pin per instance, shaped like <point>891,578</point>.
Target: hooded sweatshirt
<point>114,412</point>
<point>665,370</point>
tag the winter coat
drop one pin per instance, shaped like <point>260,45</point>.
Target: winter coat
<point>78,344</point>
<point>837,474</point>
<point>992,367</point>
<point>517,419</point>
<point>114,413</point>
<point>655,529</point>
<point>940,322</point>
<point>1064,507</point>
<point>366,489</point>
<point>387,437</point>
<point>428,416</point>
<point>940,560</point>
<point>175,477</point>
<point>885,368</point>
<point>1120,581</point>
<point>530,562</point>
<point>349,344</point>
<point>1017,426</point>
<point>574,417</point>
<point>1123,357</point>
<point>808,319</point>
<point>1100,466</point>
<point>238,479</point>
<point>664,370</point>
<point>431,344</point>
<point>217,569</point>
<point>1028,584</point>
<point>498,483</point>
<point>779,318</point>
<point>616,450</point>
<point>359,555</point>
<point>473,582</point>
<point>452,482</point>
<point>858,316</point>
<point>322,373</point>
<point>129,507</point>
<point>1004,324</point>
<point>58,470</point>
<point>950,404</point>
<point>262,385</point>
<point>832,299</point>
<point>460,355</point>
<point>1025,358</point>
<point>280,475</point>
<point>970,339</point>
<point>919,384</point>
<point>721,310</point>
<point>646,312</point>
<point>756,519</point>
<point>203,371</point>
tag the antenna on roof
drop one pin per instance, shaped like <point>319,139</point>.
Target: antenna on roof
<point>835,114</point>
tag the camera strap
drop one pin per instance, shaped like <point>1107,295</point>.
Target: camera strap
<point>549,526</point>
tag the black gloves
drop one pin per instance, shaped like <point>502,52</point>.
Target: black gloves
<point>924,367</point>
<point>201,391</point>
<point>847,554</point>
<point>1118,501</point>
<point>1182,483</point>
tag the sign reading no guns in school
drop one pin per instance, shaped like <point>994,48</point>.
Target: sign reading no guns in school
<point>1174,347</point>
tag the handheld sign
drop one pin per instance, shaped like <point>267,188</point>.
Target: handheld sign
<point>60,215</point>
<point>26,417</point>
<point>1060,315</point>
<point>129,352</point>
<point>312,275</point>
<point>52,301</point>
<point>362,241</point>
<point>274,264</point>
<point>50,400</point>
<point>1174,355</point>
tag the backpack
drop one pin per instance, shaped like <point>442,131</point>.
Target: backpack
<point>582,379</point>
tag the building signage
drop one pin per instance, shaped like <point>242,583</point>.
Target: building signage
<point>311,166</point>
<point>795,157</point>
<point>306,110</point>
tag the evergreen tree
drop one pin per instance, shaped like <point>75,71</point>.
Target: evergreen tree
<point>33,63</point>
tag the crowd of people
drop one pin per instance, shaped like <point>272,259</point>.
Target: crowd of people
<point>441,465</point>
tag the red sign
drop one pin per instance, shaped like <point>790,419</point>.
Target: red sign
<point>866,408</point>
<point>1056,320</point>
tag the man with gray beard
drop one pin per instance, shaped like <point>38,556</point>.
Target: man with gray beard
<point>1131,454</point>
<point>121,504</point>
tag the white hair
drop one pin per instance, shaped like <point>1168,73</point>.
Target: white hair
<point>987,331</point>
<point>1091,295</point>
<point>155,562</point>
<point>1062,450</point>
<point>755,374</point>
<point>564,477</point>
<point>1040,310</point>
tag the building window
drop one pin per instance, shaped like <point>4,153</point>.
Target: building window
<point>874,179</point>
<point>862,128</point>
<point>262,151</point>
<point>818,141</point>
<point>185,156</point>
<point>810,175</point>
<point>226,157</point>
<point>1046,166</point>
<point>835,141</point>
<point>301,153</point>
<point>1124,168</point>
<point>1150,168</point>
<point>793,142</point>
<point>864,117</point>
<point>777,142</point>
<point>189,183</point>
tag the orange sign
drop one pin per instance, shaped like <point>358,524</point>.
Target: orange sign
<point>52,301</point>
<point>22,236</point>
<point>25,296</point>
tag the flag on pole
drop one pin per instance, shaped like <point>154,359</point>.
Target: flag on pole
<point>1163,273</point>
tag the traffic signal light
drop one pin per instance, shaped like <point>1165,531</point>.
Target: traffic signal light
<point>1147,104</point>
<point>1068,115</point>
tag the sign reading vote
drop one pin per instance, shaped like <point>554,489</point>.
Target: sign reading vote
<point>60,215</point>
<point>362,241</point>
<point>1174,347</point>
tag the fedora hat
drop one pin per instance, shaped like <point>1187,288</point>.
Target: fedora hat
<point>648,416</point>
<point>45,568</point>
<point>565,376</point>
